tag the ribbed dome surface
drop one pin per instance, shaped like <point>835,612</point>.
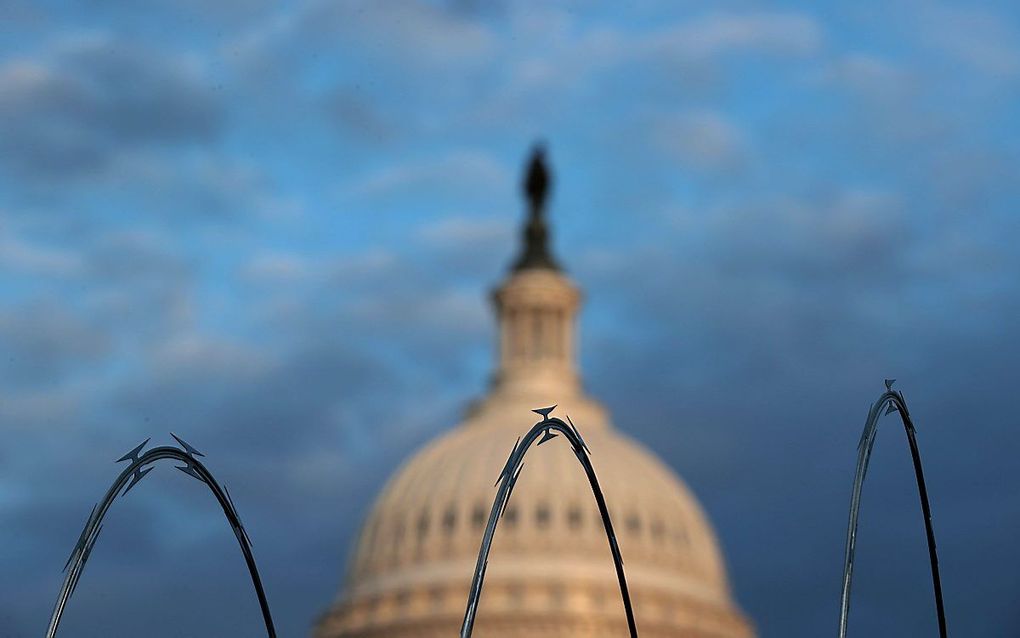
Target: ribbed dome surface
<point>550,570</point>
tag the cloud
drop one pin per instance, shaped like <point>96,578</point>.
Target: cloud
<point>33,259</point>
<point>412,30</point>
<point>848,233</point>
<point>974,36</point>
<point>276,267</point>
<point>188,354</point>
<point>459,170</point>
<point>194,187</point>
<point>871,77</point>
<point>712,35</point>
<point>378,36</point>
<point>475,71</point>
<point>780,285</point>
<point>702,140</point>
<point>27,409</point>
<point>361,117</point>
<point>553,57</point>
<point>460,232</point>
<point>43,341</point>
<point>71,109</point>
<point>94,117</point>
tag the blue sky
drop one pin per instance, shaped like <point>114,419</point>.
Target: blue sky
<point>271,229</point>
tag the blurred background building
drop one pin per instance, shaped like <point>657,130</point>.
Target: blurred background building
<point>550,573</point>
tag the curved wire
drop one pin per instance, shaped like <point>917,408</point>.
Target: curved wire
<point>129,478</point>
<point>507,479</point>
<point>893,401</point>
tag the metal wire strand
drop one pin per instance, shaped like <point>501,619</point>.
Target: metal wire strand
<point>892,401</point>
<point>547,428</point>
<point>127,480</point>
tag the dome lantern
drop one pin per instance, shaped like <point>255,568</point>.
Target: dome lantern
<point>537,305</point>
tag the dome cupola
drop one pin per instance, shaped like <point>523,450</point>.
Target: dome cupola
<point>536,306</point>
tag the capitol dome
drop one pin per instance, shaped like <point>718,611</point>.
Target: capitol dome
<point>550,572</point>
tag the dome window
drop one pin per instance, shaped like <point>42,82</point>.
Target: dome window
<point>510,516</point>
<point>436,597</point>
<point>398,534</point>
<point>423,526</point>
<point>574,517</point>
<point>403,597</point>
<point>371,606</point>
<point>542,515</point>
<point>557,595</point>
<point>450,520</point>
<point>634,523</point>
<point>478,516</point>
<point>515,594</point>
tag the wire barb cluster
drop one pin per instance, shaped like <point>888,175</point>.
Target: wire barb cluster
<point>136,470</point>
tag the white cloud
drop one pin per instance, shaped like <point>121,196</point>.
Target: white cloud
<point>412,34</point>
<point>870,76</point>
<point>458,169</point>
<point>979,38</point>
<point>198,186</point>
<point>552,62</point>
<point>277,267</point>
<point>724,33</point>
<point>43,340</point>
<point>699,139</point>
<point>23,257</point>
<point>463,232</point>
<point>29,409</point>
<point>189,353</point>
<point>83,98</point>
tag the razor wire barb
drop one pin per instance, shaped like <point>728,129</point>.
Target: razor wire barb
<point>132,474</point>
<point>892,401</point>
<point>547,429</point>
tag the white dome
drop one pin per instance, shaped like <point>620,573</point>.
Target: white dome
<point>550,572</point>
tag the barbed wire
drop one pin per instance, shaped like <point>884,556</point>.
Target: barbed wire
<point>892,401</point>
<point>127,479</point>
<point>547,428</point>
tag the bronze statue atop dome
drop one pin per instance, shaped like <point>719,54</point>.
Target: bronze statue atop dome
<point>536,185</point>
<point>537,180</point>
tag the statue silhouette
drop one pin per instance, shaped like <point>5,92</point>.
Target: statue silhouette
<point>536,186</point>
